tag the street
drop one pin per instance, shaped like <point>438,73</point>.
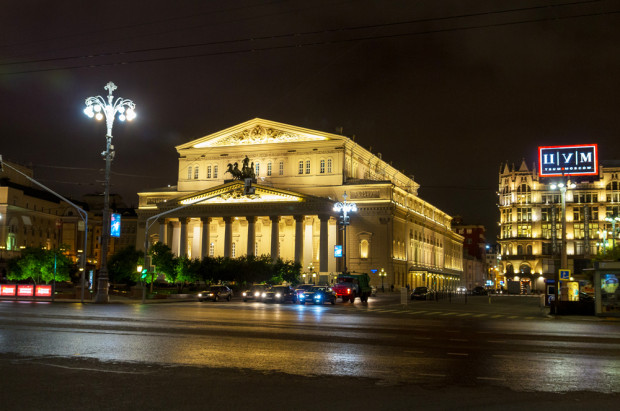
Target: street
<point>438,348</point>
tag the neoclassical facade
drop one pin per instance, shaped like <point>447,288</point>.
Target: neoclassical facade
<point>288,211</point>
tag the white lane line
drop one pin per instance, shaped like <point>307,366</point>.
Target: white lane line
<point>491,379</point>
<point>458,353</point>
<point>480,315</point>
<point>497,316</point>
<point>417,312</point>
<point>514,316</point>
<point>448,314</point>
<point>434,312</point>
<point>461,315</point>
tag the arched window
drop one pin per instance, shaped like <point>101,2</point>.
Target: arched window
<point>519,249</point>
<point>189,172</point>
<point>329,166</point>
<point>364,249</point>
<point>301,167</point>
<point>269,168</point>
<point>322,167</point>
<point>307,166</point>
<point>196,172</point>
<point>529,249</point>
<point>257,169</point>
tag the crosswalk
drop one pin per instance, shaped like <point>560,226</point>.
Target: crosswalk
<point>456,314</point>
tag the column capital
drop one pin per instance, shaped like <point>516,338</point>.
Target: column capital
<point>251,218</point>
<point>324,217</point>
<point>299,218</point>
<point>274,218</point>
<point>227,219</point>
<point>206,220</point>
<point>184,220</point>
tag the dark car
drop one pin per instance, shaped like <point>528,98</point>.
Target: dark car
<point>280,294</point>
<point>216,293</point>
<point>479,290</point>
<point>422,293</point>
<point>255,292</point>
<point>302,288</point>
<point>318,294</point>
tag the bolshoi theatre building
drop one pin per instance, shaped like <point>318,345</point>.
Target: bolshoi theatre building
<point>288,209</point>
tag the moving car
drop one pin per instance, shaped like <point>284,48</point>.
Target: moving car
<point>479,290</point>
<point>302,288</point>
<point>422,293</point>
<point>280,294</point>
<point>215,293</point>
<point>461,289</point>
<point>255,292</point>
<point>318,294</point>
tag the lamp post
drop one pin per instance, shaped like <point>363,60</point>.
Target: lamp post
<point>563,186</point>
<point>344,208</point>
<point>382,274</point>
<point>311,271</point>
<point>99,108</point>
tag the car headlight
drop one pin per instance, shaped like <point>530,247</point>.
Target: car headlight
<point>244,294</point>
<point>278,295</point>
<point>199,294</point>
<point>257,294</point>
<point>211,294</point>
<point>301,296</point>
<point>264,295</point>
<point>317,297</point>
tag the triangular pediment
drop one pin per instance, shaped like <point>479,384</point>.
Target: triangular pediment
<point>259,131</point>
<point>234,193</point>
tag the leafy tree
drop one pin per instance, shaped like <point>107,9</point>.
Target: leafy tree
<point>611,254</point>
<point>285,271</point>
<point>163,259</point>
<point>122,265</point>
<point>40,265</point>
<point>186,271</point>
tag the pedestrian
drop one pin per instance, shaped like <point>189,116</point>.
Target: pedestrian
<point>407,288</point>
<point>392,288</point>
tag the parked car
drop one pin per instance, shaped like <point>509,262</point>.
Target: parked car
<point>318,294</point>
<point>280,294</point>
<point>302,288</point>
<point>215,293</point>
<point>461,289</point>
<point>422,293</point>
<point>479,290</point>
<point>255,292</point>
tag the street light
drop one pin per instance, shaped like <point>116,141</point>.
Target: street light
<point>613,220</point>
<point>382,274</point>
<point>98,107</point>
<point>344,208</point>
<point>311,271</point>
<point>563,186</point>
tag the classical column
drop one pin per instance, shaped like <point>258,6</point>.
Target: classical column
<point>162,230</point>
<point>206,236</point>
<point>228,237</point>
<point>323,244</point>
<point>299,238</point>
<point>183,239</point>
<point>275,237</point>
<point>251,235</point>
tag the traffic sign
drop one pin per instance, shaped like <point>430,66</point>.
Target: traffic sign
<point>564,275</point>
<point>373,270</point>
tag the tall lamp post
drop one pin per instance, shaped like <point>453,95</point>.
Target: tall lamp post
<point>382,274</point>
<point>312,274</point>
<point>99,108</point>
<point>563,186</point>
<point>344,208</point>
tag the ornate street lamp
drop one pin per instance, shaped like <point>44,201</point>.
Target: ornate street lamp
<point>99,108</point>
<point>344,208</point>
<point>562,186</point>
<point>382,274</point>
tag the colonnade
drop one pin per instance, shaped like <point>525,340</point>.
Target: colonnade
<point>301,238</point>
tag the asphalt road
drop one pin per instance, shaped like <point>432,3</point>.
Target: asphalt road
<point>439,355</point>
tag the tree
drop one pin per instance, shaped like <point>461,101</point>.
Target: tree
<point>186,271</point>
<point>122,265</point>
<point>40,265</point>
<point>163,259</point>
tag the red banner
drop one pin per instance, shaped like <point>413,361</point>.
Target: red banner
<point>7,290</point>
<point>25,290</point>
<point>43,291</point>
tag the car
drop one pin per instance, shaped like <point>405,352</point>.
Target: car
<point>255,292</point>
<point>585,297</point>
<point>318,294</point>
<point>280,294</point>
<point>461,289</point>
<point>422,293</point>
<point>479,290</point>
<point>215,293</point>
<point>302,288</point>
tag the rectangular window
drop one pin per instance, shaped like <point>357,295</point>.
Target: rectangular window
<point>208,171</point>
<point>506,231</point>
<point>281,171</point>
<point>322,167</point>
<point>329,165</point>
<point>307,166</point>
<point>546,230</point>
<point>269,168</point>
<point>301,167</point>
<point>189,173</point>
<point>214,171</point>
<point>524,230</point>
<point>524,214</point>
<point>234,250</point>
<point>257,171</point>
<point>196,172</point>
<point>211,249</point>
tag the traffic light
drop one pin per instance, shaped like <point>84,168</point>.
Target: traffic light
<point>143,274</point>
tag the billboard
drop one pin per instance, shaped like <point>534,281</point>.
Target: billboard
<point>115,225</point>
<point>575,160</point>
<point>337,251</point>
<point>43,291</point>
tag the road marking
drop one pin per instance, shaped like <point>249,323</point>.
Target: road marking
<point>497,316</point>
<point>432,375</point>
<point>491,379</point>
<point>389,311</point>
<point>514,316</point>
<point>530,318</point>
<point>464,314</point>
<point>458,353</point>
<point>434,312</point>
<point>480,315</point>
<point>418,312</point>
<point>448,314</point>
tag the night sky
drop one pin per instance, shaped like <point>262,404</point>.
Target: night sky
<point>445,89</point>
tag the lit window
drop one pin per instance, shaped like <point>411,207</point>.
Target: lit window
<point>208,171</point>
<point>364,249</point>
<point>281,168</point>
<point>214,171</point>
<point>329,165</point>
<point>307,166</point>
<point>301,167</point>
<point>189,173</point>
<point>234,250</point>
<point>257,167</point>
<point>322,167</point>
<point>211,249</point>
<point>269,168</point>
<point>255,248</point>
<point>196,172</point>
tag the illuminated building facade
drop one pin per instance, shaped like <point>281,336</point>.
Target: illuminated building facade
<point>288,210</point>
<point>530,221</point>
